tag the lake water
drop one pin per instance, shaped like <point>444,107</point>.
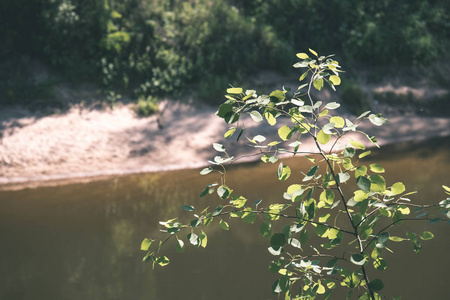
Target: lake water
<point>82,240</point>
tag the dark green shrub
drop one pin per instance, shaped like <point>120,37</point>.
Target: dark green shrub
<point>146,106</point>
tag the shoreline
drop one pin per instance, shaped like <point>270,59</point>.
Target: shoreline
<point>84,145</point>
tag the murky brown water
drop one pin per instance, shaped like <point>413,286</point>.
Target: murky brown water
<point>81,241</point>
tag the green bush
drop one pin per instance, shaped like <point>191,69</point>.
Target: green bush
<point>146,106</point>
<point>165,45</point>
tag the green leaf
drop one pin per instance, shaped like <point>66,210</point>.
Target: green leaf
<point>313,52</point>
<point>206,171</point>
<point>256,116</point>
<point>230,132</point>
<point>327,128</point>
<point>363,183</point>
<point>358,259</point>
<point>180,246</point>
<point>360,171</point>
<point>378,184</point>
<point>283,172</point>
<point>377,119</point>
<point>396,238</point>
<point>163,261</point>
<point>259,138</point>
<point>187,207</point>
<point>217,211</point>
<point>303,76</point>
<point>382,239</point>
<point>223,191</point>
<point>349,152</point>
<point>376,285</point>
<point>219,147</point>
<point>311,173</point>
<point>333,105</point>
<point>224,109</point>
<point>193,239</point>
<point>239,202</point>
<point>146,243</point>
<point>318,84</point>
<point>364,154</point>
<point>335,79</point>
<point>203,239</point>
<point>397,188</point>
<point>376,168</point>
<point>426,235</point>
<point>249,217</point>
<point>357,145</point>
<point>277,96</point>
<point>302,55</point>
<point>234,91</point>
<point>277,241</point>
<point>304,236</point>
<point>270,118</point>
<point>224,225</point>
<point>323,138</point>
<point>265,229</point>
<point>338,121</point>
<point>195,222</point>
<point>327,196</point>
<point>343,177</point>
<point>284,132</point>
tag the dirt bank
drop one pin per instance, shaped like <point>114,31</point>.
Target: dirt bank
<point>84,142</point>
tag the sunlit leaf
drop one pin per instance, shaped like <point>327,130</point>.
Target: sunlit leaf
<point>318,84</point>
<point>146,243</point>
<point>364,154</point>
<point>323,138</point>
<point>335,79</point>
<point>234,91</point>
<point>377,119</point>
<point>338,122</point>
<point>270,118</point>
<point>206,171</point>
<point>230,132</point>
<point>426,235</point>
<point>313,52</point>
<point>163,261</point>
<point>283,172</point>
<point>303,56</point>
<point>378,184</point>
<point>376,168</point>
<point>357,145</point>
<point>284,132</point>
<point>332,105</point>
<point>256,116</point>
<point>219,147</point>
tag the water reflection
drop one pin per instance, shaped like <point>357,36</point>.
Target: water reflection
<point>80,241</point>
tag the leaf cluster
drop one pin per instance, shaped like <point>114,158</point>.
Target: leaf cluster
<point>352,232</point>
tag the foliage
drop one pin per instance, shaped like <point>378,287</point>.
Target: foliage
<point>354,230</point>
<point>159,46</point>
<point>146,106</point>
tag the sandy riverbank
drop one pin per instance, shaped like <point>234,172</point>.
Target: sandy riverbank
<point>85,142</point>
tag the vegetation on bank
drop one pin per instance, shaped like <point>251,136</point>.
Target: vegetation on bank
<point>160,47</point>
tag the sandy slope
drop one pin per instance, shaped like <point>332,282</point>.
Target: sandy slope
<point>82,143</point>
